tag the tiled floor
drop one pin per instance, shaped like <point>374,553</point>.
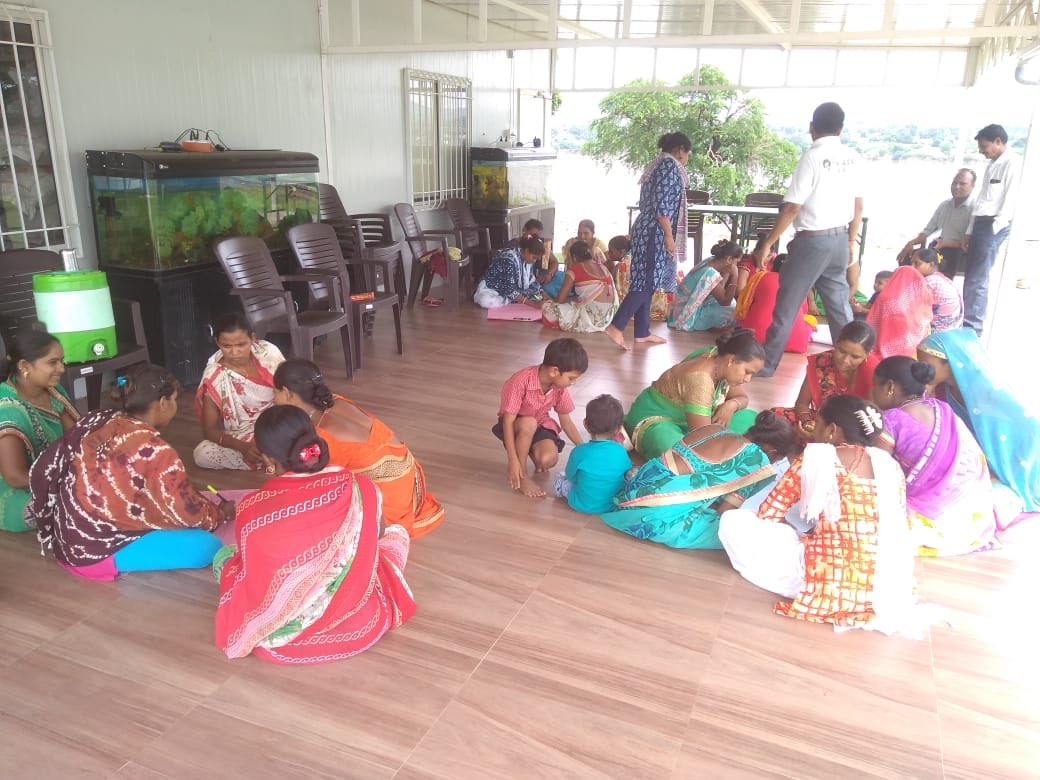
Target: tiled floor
<point>546,645</point>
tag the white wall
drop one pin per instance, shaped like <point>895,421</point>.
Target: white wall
<point>133,73</point>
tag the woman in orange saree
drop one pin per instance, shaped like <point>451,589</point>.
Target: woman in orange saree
<point>364,444</point>
<point>313,577</point>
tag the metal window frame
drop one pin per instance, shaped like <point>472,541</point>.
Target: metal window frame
<point>54,122</point>
<point>445,110</point>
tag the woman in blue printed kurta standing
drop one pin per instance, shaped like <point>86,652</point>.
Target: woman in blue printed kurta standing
<point>658,238</point>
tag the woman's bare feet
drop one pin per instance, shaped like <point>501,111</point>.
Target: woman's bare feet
<point>651,340</point>
<point>617,337</point>
<point>531,488</point>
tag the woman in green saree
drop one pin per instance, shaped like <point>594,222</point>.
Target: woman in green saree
<point>704,388</point>
<point>676,499</point>
<point>34,411</point>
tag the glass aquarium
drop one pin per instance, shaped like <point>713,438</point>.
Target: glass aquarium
<point>160,211</point>
<point>510,178</point>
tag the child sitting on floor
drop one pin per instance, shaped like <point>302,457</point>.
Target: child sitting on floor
<point>618,263</point>
<point>550,277</point>
<point>524,424</point>
<point>859,310</point>
<point>596,469</point>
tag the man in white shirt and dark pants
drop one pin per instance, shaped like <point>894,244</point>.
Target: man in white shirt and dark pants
<point>825,204</point>
<point>990,222</point>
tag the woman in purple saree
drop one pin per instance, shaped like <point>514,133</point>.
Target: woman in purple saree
<point>949,494</point>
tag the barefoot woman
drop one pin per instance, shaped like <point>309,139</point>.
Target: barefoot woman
<point>658,238</point>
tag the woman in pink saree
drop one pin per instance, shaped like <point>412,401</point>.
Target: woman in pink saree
<point>949,494</point>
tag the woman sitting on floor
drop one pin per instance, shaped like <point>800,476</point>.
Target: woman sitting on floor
<point>901,315</point>
<point>510,277</point>
<point>596,301</point>
<point>705,298</point>
<point>619,263</point>
<point>112,496</point>
<point>848,369</point>
<point>236,386</point>
<point>676,498</point>
<point>948,488</point>
<point>854,569</point>
<point>947,303</point>
<point>34,412</point>
<point>587,234</point>
<point>704,388</point>
<point>363,443</point>
<point>1005,426</point>
<point>309,586</point>
<point>757,301</point>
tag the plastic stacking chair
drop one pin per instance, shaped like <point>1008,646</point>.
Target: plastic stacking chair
<point>317,249</point>
<point>473,239</point>
<point>269,307</point>
<point>422,241</point>
<point>18,310</point>
<point>695,222</point>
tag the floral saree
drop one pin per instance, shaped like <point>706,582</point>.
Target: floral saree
<point>311,579</point>
<point>694,307</point>
<point>587,314</point>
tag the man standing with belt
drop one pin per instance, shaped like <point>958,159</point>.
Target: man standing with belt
<point>825,204</point>
<point>990,222</point>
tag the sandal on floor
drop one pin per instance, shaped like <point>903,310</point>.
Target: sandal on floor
<point>432,302</point>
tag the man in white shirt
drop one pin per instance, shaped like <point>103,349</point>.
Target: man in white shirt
<point>825,205</point>
<point>990,222</point>
<point>950,221</point>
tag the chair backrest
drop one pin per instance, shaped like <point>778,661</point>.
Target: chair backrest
<point>413,232</point>
<point>375,228</point>
<point>17,267</point>
<point>695,222</point>
<point>316,246</point>
<point>462,219</point>
<point>248,264</point>
<point>332,212</point>
<point>763,199</point>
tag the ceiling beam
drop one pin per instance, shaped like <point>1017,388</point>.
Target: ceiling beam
<point>926,38</point>
<point>795,20</point>
<point>760,15</point>
<point>524,10</point>
<point>709,17</point>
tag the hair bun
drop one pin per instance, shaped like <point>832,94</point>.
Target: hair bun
<point>922,372</point>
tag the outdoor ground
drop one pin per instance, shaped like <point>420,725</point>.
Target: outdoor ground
<point>545,645</point>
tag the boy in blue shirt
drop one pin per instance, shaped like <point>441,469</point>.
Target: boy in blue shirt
<point>596,469</point>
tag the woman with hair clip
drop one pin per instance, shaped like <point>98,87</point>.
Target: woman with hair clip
<point>855,566</point>
<point>34,411</point>
<point>704,388</point>
<point>314,576</point>
<point>948,488</point>
<point>705,298</point>
<point>112,496</point>
<point>675,499</point>
<point>362,443</point>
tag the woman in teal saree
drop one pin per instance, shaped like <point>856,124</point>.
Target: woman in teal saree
<point>676,499</point>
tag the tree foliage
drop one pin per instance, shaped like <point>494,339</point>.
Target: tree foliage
<point>733,153</point>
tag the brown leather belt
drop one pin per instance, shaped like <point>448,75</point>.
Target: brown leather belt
<point>828,232</point>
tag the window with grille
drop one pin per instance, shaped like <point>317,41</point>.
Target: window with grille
<point>438,111</point>
<point>35,198</point>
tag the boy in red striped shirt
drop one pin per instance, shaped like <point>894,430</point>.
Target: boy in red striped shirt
<point>525,425</point>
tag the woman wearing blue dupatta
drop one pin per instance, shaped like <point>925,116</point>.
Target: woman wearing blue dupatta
<point>1006,428</point>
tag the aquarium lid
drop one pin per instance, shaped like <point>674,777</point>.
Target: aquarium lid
<point>164,165</point>
<point>514,154</point>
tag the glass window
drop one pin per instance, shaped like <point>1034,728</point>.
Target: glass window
<point>439,128</point>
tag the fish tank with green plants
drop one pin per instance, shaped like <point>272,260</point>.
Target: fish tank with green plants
<point>160,211</point>
<point>510,178</point>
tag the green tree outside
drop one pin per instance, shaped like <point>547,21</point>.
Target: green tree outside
<point>733,153</point>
